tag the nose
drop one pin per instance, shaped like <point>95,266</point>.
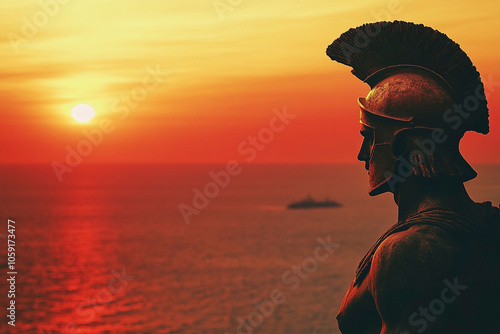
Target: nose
<point>364,151</point>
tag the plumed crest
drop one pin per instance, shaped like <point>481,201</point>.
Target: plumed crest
<point>375,46</point>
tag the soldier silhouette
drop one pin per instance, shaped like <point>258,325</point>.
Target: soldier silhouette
<point>437,269</point>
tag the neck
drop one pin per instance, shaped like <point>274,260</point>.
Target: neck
<point>417,194</point>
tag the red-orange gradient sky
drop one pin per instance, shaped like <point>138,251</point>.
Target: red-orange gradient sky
<point>224,75</point>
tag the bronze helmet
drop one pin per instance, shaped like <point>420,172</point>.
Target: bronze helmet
<point>421,82</point>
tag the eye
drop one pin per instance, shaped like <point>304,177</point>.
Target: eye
<point>367,133</point>
<point>368,138</point>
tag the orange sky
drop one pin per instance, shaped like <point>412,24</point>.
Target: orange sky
<point>224,73</point>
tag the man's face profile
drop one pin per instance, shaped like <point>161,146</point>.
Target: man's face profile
<point>366,146</point>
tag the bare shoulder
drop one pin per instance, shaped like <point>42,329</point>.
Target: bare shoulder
<point>425,245</point>
<point>409,267</point>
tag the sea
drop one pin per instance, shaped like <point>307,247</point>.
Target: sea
<point>137,249</point>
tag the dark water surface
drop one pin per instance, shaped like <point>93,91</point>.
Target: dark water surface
<point>108,251</point>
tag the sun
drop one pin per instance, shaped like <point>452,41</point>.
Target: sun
<point>82,113</point>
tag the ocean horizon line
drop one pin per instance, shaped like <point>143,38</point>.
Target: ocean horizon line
<point>213,163</point>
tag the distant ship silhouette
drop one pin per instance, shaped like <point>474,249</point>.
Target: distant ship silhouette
<point>310,203</point>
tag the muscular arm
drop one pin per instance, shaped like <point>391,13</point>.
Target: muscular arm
<point>407,281</point>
